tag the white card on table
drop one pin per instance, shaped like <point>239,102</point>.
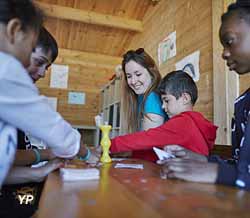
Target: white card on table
<point>70,174</point>
<point>162,155</point>
<point>129,166</point>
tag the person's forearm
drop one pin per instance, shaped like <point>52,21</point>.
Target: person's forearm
<point>83,151</point>
<point>24,157</point>
<point>18,93</point>
<point>29,157</point>
<point>159,136</point>
<point>19,175</point>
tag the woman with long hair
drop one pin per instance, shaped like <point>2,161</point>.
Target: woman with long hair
<point>141,104</point>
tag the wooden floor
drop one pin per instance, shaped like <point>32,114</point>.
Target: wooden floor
<point>139,194</point>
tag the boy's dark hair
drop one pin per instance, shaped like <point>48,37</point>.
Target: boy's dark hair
<point>178,82</point>
<point>47,43</point>
<point>24,10</point>
<point>242,7</point>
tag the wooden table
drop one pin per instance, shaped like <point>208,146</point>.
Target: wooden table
<point>135,193</point>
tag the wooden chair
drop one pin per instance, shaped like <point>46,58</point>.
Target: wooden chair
<point>224,151</point>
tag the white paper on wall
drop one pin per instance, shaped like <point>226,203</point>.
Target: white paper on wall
<point>59,76</point>
<point>76,98</point>
<point>190,64</point>
<point>167,48</point>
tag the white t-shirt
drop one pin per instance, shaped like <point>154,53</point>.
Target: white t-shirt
<point>8,144</point>
<point>22,107</point>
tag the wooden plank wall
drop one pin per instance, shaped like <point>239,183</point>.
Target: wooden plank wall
<point>81,79</point>
<point>191,19</point>
<point>225,88</point>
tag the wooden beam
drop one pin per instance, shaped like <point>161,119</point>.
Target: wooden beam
<point>88,59</point>
<point>89,17</point>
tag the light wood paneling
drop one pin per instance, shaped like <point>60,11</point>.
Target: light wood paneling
<point>85,16</point>
<point>221,117</point>
<point>75,114</point>
<point>96,38</point>
<point>98,61</point>
<point>226,84</point>
<point>81,79</point>
<point>192,21</point>
<point>91,49</point>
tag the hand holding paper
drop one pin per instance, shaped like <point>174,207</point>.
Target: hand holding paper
<point>162,155</point>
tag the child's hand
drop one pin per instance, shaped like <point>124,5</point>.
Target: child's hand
<point>83,152</point>
<point>190,170</point>
<point>47,154</point>
<point>98,150</point>
<point>42,172</point>
<point>184,153</point>
<point>94,154</point>
<point>52,165</point>
<point>94,158</point>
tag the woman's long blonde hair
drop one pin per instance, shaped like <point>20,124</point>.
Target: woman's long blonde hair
<point>130,119</point>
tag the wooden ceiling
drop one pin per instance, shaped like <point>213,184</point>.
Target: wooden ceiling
<point>96,27</point>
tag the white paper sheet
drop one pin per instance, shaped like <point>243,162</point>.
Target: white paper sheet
<point>59,76</point>
<point>69,174</point>
<point>162,155</point>
<point>118,159</point>
<point>190,64</point>
<point>167,48</point>
<point>76,98</point>
<point>129,166</point>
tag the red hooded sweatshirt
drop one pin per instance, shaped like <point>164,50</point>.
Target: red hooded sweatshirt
<point>188,129</point>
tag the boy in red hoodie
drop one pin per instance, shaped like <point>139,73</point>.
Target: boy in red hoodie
<point>185,127</point>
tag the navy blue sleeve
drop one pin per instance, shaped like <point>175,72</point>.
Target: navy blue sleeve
<point>227,172</point>
<point>243,166</point>
<point>237,173</point>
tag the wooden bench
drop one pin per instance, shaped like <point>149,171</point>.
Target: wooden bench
<point>224,151</point>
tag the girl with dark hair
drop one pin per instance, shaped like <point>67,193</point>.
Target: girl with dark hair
<point>18,37</point>
<point>20,23</point>
<point>235,38</point>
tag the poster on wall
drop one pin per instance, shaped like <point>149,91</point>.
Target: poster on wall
<point>59,76</point>
<point>167,48</point>
<point>190,64</point>
<point>76,98</point>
